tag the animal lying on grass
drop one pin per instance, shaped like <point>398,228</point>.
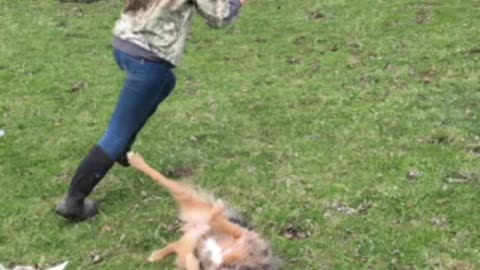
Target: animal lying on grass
<point>214,236</point>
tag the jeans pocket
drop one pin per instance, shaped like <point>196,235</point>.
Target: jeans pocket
<point>136,66</point>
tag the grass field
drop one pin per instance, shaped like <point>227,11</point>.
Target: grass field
<point>348,131</point>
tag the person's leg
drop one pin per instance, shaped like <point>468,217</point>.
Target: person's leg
<point>170,85</point>
<point>145,87</point>
<point>148,84</point>
<point>90,171</point>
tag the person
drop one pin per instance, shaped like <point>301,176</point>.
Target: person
<point>149,40</point>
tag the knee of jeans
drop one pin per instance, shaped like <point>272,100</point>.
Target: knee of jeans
<point>114,145</point>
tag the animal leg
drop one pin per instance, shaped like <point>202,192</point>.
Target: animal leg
<point>192,262</point>
<point>232,257</point>
<point>222,224</point>
<point>160,254</point>
<point>239,250</point>
<point>184,195</point>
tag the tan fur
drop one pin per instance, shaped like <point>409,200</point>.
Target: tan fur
<point>203,217</point>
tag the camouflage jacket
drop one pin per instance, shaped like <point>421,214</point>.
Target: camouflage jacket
<point>163,31</point>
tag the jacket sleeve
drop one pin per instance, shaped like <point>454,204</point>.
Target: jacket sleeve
<point>218,13</point>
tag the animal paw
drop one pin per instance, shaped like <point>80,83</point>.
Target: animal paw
<point>151,258</point>
<point>135,159</point>
<point>160,254</point>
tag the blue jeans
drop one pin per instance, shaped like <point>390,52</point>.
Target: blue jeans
<point>146,86</point>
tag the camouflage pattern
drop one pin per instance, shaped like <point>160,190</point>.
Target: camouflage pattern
<point>163,30</point>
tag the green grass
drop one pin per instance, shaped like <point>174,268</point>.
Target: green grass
<point>299,113</point>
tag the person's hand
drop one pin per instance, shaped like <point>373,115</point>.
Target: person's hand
<point>243,2</point>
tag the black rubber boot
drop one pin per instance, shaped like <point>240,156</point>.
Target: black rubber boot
<point>123,159</point>
<point>92,169</point>
<point>77,210</point>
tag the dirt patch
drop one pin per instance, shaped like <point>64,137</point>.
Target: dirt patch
<point>338,206</point>
<point>294,232</point>
<point>424,15</point>
<point>78,87</point>
<point>180,172</point>
<point>460,178</point>
<point>316,15</point>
